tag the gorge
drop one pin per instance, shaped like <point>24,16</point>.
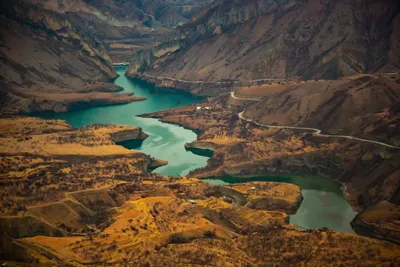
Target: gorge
<point>199,133</point>
<point>323,204</point>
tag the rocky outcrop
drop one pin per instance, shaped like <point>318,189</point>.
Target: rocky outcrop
<point>155,163</point>
<point>202,145</point>
<point>368,181</point>
<point>125,26</point>
<point>129,134</point>
<point>270,196</point>
<point>363,106</point>
<point>379,221</point>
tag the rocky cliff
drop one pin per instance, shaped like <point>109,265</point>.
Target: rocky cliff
<point>51,50</point>
<point>380,221</point>
<point>42,53</point>
<point>283,39</point>
<point>126,26</point>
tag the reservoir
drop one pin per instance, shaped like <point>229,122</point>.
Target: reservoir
<point>165,141</point>
<point>323,204</point>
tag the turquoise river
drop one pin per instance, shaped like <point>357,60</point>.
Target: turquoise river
<point>323,204</point>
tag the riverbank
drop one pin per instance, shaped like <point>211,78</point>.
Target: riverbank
<point>165,142</point>
<point>100,203</point>
<point>238,148</point>
<point>197,88</point>
<point>247,150</point>
<point>64,102</point>
<point>90,201</point>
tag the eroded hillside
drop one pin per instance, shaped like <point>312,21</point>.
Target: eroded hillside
<point>250,40</point>
<point>46,64</point>
<point>129,25</point>
<point>55,55</point>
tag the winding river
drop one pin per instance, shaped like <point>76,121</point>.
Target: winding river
<point>323,204</point>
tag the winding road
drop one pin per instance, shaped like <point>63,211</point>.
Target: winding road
<point>315,132</point>
<point>200,81</point>
<point>205,82</point>
<point>179,80</point>
<point>244,98</point>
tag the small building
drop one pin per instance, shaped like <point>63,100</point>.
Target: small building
<point>208,108</point>
<point>253,188</point>
<point>192,201</point>
<point>198,108</point>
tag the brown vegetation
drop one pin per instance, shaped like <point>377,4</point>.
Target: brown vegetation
<point>107,209</point>
<point>368,171</point>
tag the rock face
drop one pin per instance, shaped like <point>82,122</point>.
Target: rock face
<point>42,54</point>
<point>282,39</point>
<point>360,105</point>
<point>126,26</point>
<point>129,134</point>
<point>63,47</point>
<point>380,221</point>
<point>271,196</point>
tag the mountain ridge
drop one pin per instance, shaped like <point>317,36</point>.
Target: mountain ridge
<point>299,39</point>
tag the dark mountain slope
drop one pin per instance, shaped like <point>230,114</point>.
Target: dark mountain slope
<point>281,39</point>
<point>41,54</point>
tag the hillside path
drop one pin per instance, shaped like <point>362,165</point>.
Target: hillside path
<point>316,132</point>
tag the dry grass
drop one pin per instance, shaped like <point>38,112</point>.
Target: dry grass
<point>224,139</point>
<point>55,138</point>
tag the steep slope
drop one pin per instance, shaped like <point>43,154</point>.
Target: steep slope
<point>126,26</point>
<point>364,106</point>
<point>63,47</point>
<point>42,53</point>
<point>281,39</point>
<point>359,106</point>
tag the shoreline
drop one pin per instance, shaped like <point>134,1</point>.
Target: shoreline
<point>342,186</point>
<point>195,88</point>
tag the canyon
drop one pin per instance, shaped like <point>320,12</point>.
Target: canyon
<point>183,132</point>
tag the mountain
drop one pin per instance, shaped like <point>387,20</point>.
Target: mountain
<point>303,39</point>
<point>55,55</point>
<point>45,61</point>
<point>360,105</point>
<point>126,25</point>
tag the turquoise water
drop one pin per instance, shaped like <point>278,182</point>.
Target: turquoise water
<point>166,141</point>
<point>323,204</point>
